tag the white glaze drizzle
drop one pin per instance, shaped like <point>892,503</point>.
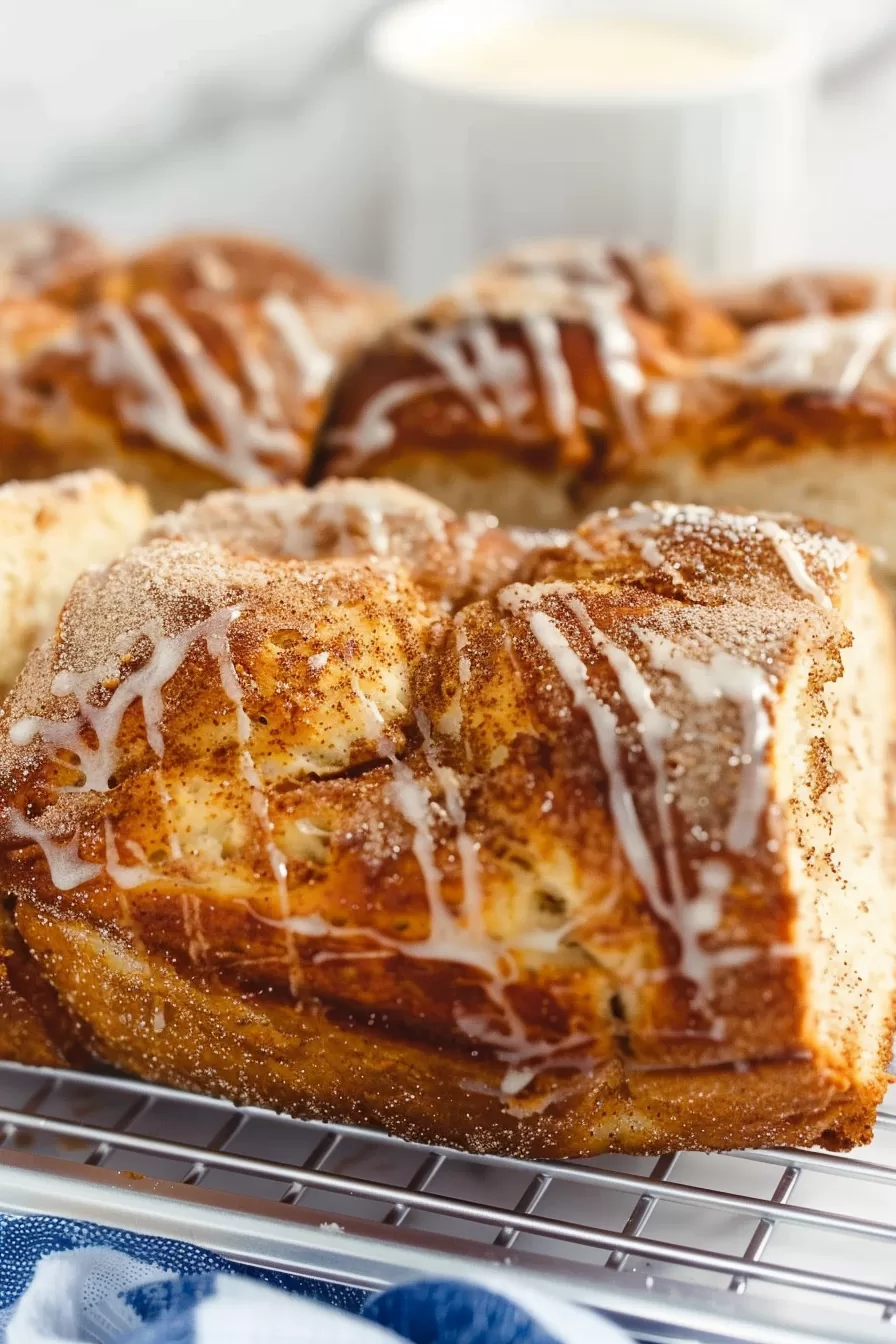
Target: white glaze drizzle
<point>789,555</point>
<point>602,294</point>
<point>446,352</point>
<point>493,378</point>
<point>97,764</point>
<point>244,432</point>
<point>818,353</point>
<point>67,869</point>
<point>313,362</point>
<point>502,368</point>
<point>373,430</point>
<point>725,676</point>
<point>553,370</point>
<point>605,727</point>
<point>452,719</point>
<point>145,685</point>
<point>122,351</point>
<point>461,939</point>
<point>705,910</point>
<point>618,353</point>
<point>870,337</point>
<point>212,271</point>
<point>664,399</point>
<point>219,647</point>
<point>157,410</point>
<point>467,849</point>
<point>126,877</point>
<point>674,909</point>
<point>651,553</point>
<point>360,505</point>
<point>809,292</point>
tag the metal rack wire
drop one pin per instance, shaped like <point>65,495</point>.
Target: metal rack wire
<point>771,1246</point>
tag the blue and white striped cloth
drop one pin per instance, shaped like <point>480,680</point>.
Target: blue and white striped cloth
<point>64,1282</point>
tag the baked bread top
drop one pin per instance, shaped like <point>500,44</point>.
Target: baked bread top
<point>567,357</point>
<point>567,376</point>
<point>650,281</point>
<point>199,362</point>
<point>452,559</point>
<point>817,380</point>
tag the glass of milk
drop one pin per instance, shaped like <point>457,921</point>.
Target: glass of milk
<point>673,122</point>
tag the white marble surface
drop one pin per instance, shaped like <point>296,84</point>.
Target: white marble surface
<point>260,116</point>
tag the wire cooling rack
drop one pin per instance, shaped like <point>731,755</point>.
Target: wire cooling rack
<point>773,1247</point>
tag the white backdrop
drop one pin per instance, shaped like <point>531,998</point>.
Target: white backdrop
<point>145,115</point>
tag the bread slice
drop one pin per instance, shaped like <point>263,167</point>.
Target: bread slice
<point>602,861</point>
<point>49,532</point>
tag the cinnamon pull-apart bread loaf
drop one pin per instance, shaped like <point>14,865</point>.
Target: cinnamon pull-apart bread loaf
<point>198,363</point>
<point>802,419</point>
<point>592,855</point>
<point>532,382</point>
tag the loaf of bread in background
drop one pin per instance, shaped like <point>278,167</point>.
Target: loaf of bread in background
<point>546,387</point>
<point>592,855</point>
<point>527,384</point>
<point>197,363</point>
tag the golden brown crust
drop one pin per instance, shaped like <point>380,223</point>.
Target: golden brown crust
<point>168,1025</point>
<point>330,843</point>
<point>561,358</point>
<point>201,362</point>
<point>244,269</point>
<point>35,1027</point>
<point>49,531</point>
<point>523,394</point>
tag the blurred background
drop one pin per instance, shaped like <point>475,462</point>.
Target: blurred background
<point>152,115</point>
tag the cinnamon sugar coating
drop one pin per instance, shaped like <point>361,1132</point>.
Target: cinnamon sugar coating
<point>530,865</point>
